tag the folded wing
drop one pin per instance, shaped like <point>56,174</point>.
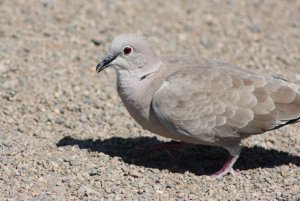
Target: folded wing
<point>218,103</point>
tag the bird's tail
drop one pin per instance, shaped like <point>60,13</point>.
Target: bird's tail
<point>288,112</point>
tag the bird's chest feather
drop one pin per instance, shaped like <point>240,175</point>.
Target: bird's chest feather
<point>137,95</point>
<point>135,98</point>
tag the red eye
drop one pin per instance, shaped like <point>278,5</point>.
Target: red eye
<point>127,50</point>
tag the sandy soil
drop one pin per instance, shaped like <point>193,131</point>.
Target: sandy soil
<point>64,134</point>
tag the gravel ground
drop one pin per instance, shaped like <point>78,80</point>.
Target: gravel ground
<point>64,134</point>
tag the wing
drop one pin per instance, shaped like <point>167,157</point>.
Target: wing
<point>217,103</point>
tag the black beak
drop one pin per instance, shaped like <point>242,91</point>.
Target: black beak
<point>105,63</point>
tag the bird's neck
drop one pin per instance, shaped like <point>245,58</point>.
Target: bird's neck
<point>139,83</point>
<point>135,87</point>
<point>137,94</point>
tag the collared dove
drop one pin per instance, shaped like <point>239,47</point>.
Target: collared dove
<point>199,101</point>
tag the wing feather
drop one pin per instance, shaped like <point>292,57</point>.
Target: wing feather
<point>211,104</point>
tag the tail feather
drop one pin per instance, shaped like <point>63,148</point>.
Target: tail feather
<point>289,113</point>
<point>286,122</point>
<point>287,104</point>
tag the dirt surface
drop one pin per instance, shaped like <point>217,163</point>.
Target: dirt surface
<point>64,134</point>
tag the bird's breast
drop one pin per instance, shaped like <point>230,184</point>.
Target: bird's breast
<point>137,98</point>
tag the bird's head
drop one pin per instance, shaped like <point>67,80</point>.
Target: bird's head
<point>132,53</point>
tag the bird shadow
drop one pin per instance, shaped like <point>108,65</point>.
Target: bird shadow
<point>198,159</point>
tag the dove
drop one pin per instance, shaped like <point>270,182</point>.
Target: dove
<point>199,101</point>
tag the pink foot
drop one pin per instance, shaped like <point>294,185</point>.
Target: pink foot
<point>227,167</point>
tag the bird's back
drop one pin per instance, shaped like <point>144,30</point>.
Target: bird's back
<point>216,102</point>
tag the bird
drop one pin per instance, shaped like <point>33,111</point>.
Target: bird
<point>198,101</point>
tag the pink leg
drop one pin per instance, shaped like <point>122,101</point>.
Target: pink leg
<point>227,167</point>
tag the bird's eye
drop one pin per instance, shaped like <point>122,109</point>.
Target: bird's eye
<point>127,50</point>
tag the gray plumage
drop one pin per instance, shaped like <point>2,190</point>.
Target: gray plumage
<point>199,101</point>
